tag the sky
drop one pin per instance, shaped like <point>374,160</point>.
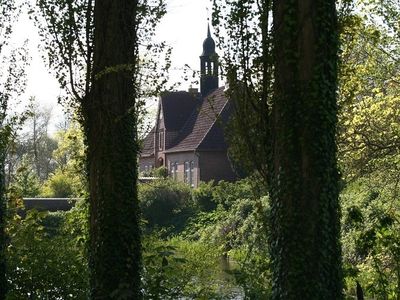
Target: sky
<point>183,28</point>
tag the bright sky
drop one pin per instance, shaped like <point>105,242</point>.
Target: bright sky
<point>184,28</point>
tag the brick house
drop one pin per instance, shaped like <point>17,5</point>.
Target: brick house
<point>187,137</point>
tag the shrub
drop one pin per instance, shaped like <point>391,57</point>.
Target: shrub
<point>179,269</point>
<point>227,193</point>
<point>203,196</point>
<point>161,172</point>
<point>165,203</point>
<point>26,183</point>
<point>44,261</point>
<point>59,185</point>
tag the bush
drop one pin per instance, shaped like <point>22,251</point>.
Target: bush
<point>166,203</point>
<point>44,261</point>
<point>59,185</point>
<point>161,172</point>
<point>26,183</point>
<point>227,193</point>
<point>203,196</point>
<point>371,237</point>
<point>179,269</point>
<point>238,229</point>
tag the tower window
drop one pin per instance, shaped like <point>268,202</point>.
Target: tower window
<point>161,140</point>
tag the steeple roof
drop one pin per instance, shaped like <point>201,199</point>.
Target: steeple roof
<point>208,44</point>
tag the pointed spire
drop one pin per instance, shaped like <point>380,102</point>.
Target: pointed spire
<point>208,30</point>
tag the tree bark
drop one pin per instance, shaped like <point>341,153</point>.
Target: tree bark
<point>110,126</point>
<point>3,212</point>
<point>305,248</point>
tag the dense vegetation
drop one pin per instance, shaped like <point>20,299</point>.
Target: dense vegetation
<point>202,244</point>
<point>216,241</point>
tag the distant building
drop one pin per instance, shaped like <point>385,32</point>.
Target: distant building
<point>188,137</point>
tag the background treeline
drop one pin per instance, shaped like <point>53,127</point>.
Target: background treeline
<point>44,163</point>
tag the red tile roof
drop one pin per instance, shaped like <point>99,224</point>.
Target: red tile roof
<point>148,144</point>
<point>202,129</point>
<point>198,122</point>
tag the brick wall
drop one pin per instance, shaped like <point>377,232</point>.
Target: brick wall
<point>215,165</point>
<point>180,158</point>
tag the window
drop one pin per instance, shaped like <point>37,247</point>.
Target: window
<point>174,170</point>
<point>186,170</point>
<point>161,139</point>
<point>189,173</point>
<point>191,181</point>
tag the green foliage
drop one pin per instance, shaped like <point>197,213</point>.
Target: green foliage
<point>203,196</point>
<point>59,185</point>
<point>25,182</point>
<point>45,260</point>
<point>235,229</point>
<point>371,237</point>
<point>368,77</point>
<point>226,193</point>
<point>68,179</point>
<point>165,203</point>
<point>247,62</point>
<point>87,54</point>
<point>219,256</point>
<point>369,148</point>
<point>161,172</point>
<point>178,268</point>
<point>12,85</point>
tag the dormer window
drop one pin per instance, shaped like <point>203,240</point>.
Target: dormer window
<point>161,140</point>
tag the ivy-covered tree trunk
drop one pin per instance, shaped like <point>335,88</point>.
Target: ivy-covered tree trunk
<point>305,248</point>
<point>3,281</point>
<point>110,125</point>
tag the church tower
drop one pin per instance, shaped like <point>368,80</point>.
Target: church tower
<point>208,66</point>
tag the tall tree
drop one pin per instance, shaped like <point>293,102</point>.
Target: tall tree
<point>93,49</point>
<point>305,249</point>
<point>110,125</point>
<point>247,60</point>
<point>12,84</point>
<point>282,80</point>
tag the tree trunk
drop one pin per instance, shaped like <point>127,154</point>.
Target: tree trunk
<point>305,248</point>
<point>35,146</point>
<point>3,211</point>
<point>110,127</point>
